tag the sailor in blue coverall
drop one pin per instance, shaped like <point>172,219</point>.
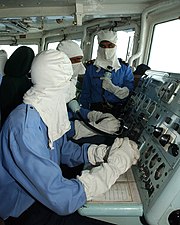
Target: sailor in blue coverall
<point>34,143</point>
<point>108,80</point>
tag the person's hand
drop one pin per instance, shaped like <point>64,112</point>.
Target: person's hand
<point>122,154</point>
<point>109,125</point>
<point>81,130</point>
<point>104,121</point>
<point>107,84</point>
<point>74,106</point>
<point>97,153</point>
<point>95,116</point>
<point>119,92</point>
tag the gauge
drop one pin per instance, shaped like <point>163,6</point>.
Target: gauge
<point>138,100</point>
<point>148,152</point>
<point>169,92</point>
<point>159,171</point>
<point>153,160</point>
<point>146,103</point>
<point>151,109</point>
<point>173,150</point>
<point>162,90</point>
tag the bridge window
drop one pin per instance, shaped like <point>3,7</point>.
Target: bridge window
<point>10,49</point>
<point>124,45</point>
<point>165,48</point>
<point>53,45</point>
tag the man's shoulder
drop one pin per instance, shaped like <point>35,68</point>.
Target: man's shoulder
<point>24,115</point>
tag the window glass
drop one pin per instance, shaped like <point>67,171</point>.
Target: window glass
<point>10,49</point>
<point>124,45</point>
<point>165,48</point>
<point>53,45</point>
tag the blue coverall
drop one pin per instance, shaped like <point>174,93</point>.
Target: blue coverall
<point>92,91</point>
<point>29,169</point>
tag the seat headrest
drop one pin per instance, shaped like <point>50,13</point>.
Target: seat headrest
<point>19,63</point>
<point>141,69</point>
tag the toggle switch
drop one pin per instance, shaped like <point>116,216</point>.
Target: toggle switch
<point>164,139</point>
<point>157,131</point>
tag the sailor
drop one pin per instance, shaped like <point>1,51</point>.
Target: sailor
<point>34,143</point>
<point>108,80</point>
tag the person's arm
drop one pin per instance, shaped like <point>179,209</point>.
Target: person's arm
<point>73,116</point>
<point>36,168</point>
<point>74,109</point>
<point>72,154</point>
<point>84,113</point>
<point>120,91</point>
<point>122,155</point>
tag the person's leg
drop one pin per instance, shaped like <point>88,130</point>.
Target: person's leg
<point>38,214</point>
<point>77,219</point>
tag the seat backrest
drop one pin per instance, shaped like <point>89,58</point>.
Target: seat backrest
<point>3,59</point>
<point>15,82</point>
<point>139,72</point>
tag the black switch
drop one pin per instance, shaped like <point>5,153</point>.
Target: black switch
<point>174,218</point>
<point>173,150</point>
<point>164,139</point>
<point>157,116</point>
<point>175,126</point>
<point>157,131</point>
<point>168,120</point>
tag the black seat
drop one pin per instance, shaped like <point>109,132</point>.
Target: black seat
<point>15,82</point>
<point>139,72</point>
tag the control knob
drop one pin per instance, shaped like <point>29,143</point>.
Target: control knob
<point>164,139</point>
<point>173,150</point>
<point>157,131</point>
<point>174,218</point>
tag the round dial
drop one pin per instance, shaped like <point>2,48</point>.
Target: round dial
<point>159,171</point>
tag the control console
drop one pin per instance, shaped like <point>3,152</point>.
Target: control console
<point>152,119</point>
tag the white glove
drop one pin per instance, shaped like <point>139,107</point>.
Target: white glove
<point>119,92</point>
<point>98,180</point>
<point>94,116</point>
<point>104,121</point>
<point>109,125</point>
<point>81,130</point>
<point>74,105</point>
<point>96,153</point>
<point>126,148</point>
